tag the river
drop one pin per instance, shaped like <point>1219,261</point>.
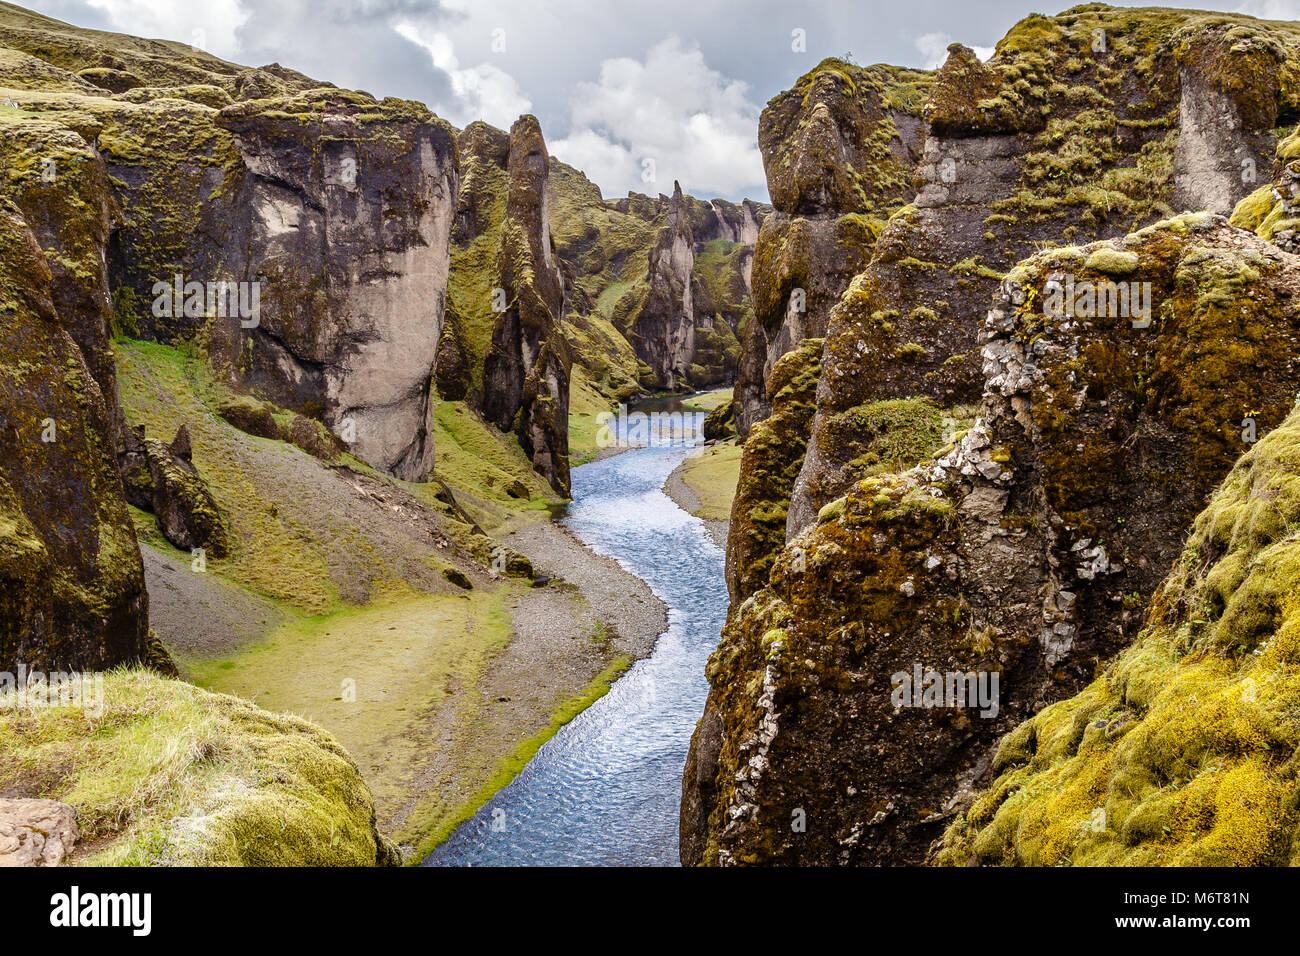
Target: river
<point>606,789</point>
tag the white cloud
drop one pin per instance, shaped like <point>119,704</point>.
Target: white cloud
<point>1271,9</point>
<point>210,26</point>
<point>696,125</point>
<point>483,92</point>
<point>934,48</point>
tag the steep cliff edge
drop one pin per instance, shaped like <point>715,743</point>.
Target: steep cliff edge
<point>118,179</point>
<point>1182,753</point>
<point>1026,552</point>
<point>504,350</point>
<point>838,150</point>
<point>1081,126</point>
<point>347,212</point>
<point>325,213</point>
<point>73,582</point>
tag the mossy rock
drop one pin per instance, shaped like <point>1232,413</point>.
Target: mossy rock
<point>1186,759</point>
<point>251,416</point>
<point>171,775</point>
<point>71,580</point>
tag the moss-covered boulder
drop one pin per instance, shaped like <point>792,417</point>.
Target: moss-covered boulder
<point>314,438</point>
<point>161,773</point>
<point>70,570</point>
<point>720,423</point>
<point>184,507</point>
<point>1182,753</point>
<point>1273,210</point>
<point>250,415</point>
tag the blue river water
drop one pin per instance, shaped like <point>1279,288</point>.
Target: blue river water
<point>606,789</point>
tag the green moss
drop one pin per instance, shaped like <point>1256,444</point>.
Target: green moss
<point>1113,262</point>
<point>770,462</point>
<point>1179,754</point>
<point>172,775</point>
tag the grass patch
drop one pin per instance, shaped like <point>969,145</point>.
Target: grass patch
<point>712,476</point>
<point>169,774</point>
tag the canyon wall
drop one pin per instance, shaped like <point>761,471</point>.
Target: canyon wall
<point>997,491</point>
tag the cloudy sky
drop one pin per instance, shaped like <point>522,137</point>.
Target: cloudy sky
<point>614,82</point>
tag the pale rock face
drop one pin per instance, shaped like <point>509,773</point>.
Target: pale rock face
<point>35,832</point>
<point>1217,162</point>
<point>353,257</point>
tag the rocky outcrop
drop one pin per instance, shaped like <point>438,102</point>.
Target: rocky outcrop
<point>526,372</point>
<point>1048,141</point>
<point>1025,554</point>
<point>70,570</point>
<point>62,187</point>
<point>36,832</point>
<point>769,464</point>
<point>658,289</point>
<point>180,500</point>
<point>1182,752</point>
<point>348,208</point>
<point>1273,211</point>
<point>664,330</point>
<point>838,150</point>
<point>720,424</point>
<point>301,231</point>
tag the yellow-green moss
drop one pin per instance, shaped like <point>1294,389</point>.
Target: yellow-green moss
<point>172,775</point>
<point>1181,753</point>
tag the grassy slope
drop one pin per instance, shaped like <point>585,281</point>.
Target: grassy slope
<point>167,774</point>
<point>360,597</point>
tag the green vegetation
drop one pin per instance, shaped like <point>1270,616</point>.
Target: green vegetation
<point>1181,752</point>
<point>170,775</point>
<point>712,476</point>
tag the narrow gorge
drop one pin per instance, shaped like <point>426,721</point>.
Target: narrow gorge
<point>395,497</point>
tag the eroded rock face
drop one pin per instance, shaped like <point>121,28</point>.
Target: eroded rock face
<point>664,331</point>
<point>769,465</point>
<point>36,832</point>
<point>348,222</point>
<point>1180,753</point>
<point>329,211</point>
<point>838,150</point>
<point>1228,107</point>
<point>72,590</point>
<point>526,372</point>
<point>1027,552</point>
<point>1048,141</point>
<point>62,187</point>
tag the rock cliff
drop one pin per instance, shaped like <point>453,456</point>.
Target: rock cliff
<point>838,149</point>
<point>70,569</point>
<point>995,492</point>
<point>526,373</point>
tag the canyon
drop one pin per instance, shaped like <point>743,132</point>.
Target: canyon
<point>351,495</point>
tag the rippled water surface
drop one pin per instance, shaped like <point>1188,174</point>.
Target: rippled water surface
<point>606,788</point>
